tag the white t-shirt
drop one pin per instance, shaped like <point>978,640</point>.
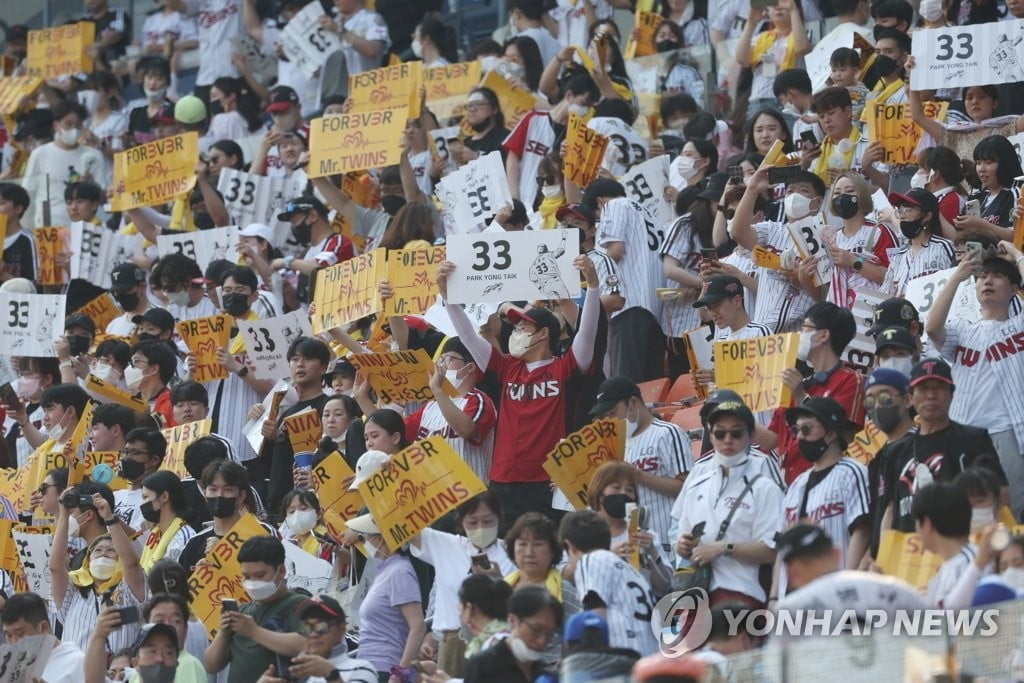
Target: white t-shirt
<point>546,43</point>
<point>114,126</point>
<point>64,665</point>
<point>126,507</point>
<point>160,26</point>
<point>62,167</point>
<point>229,125</point>
<point>572,21</point>
<point>220,22</point>
<point>369,26</point>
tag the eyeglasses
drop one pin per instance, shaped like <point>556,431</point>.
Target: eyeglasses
<point>736,434</point>
<point>43,488</point>
<point>131,453</point>
<point>320,629</point>
<point>881,400</point>
<point>546,180</point>
<point>904,210</point>
<point>522,329</point>
<point>802,430</point>
<point>539,631</point>
<point>449,357</point>
<point>473,106</point>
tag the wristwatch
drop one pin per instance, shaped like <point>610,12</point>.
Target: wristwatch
<point>333,676</point>
<point>730,548</point>
<point>111,522</point>
<point>859,263</point>
<point>243,371</point>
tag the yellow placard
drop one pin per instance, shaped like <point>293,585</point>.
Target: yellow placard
<point>389,87</point>
<point>416,487</point>
<point>348,291</point>
<point>448,87</point>
<point>634,528</point>
<point>60,51</point>
<point>515,102</point>
<point>8,548</point>
<point>585,149</point>
<point>11,483</point>
<point>753,369</point>
<point>101,310</point>
<point>356,141</point>
<point>766,258</point>
<point>362,189</point>
<point>49,243</point>
<point>646,27</point>
<point>574,459</point>
<point>903,555</point>
<point>777,157</point>
<point>412,276</point>
<point>304,430</point>
<point>204,337</point>
<point>331,478</point>
<point>219,578</point>
<point>1018,225</point>
<point>398,376</point>
<point>892,125</point>
<point>92,458</point>
<point>155,172</point>
<point>867,443</point>
<point>178,439</point>
<point>114,394</point>
<point>14,90</point>
<point>77,468</point>
<point>336,528</point>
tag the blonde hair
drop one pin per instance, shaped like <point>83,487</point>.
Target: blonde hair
<point>607,474</point>
<point>861,188</point>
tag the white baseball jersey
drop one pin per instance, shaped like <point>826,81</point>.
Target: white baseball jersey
<point>219,21</point>
<point>942,584</point>
<point>664,451</point>
<point>607,273</point>
<point>627,596</point>
<point>160,26</point>
<point>741,259</point>
<point>428,421</point>
<point>780,304</point>
<point>368,26</point>
<point>936,254</point>
<point>684,246</point>
<point>531,140</point>
<point>749,331</point>
<point>630,147</point>
<point>640,273</point>
<point>572,20</point>
<point>78,614</point>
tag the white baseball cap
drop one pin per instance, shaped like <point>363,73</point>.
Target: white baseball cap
<point>363,524</point>
<point>368,463</point>
<point>258,230</point>
<point>18,285</point>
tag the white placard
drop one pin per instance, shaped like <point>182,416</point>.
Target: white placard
<point>473,194</point>
<point>959,56</point>
<point>806,235</point>
<point>629,147</point>
<point>512,266</point>
<point>305,43</point>
<point>25,661</point>
<point>923,291</point>
<point>267,341</point>
<point>438,318</point>
<point>99,250</point>
<point>441,136</point>
<point>30,323</point>
<point>305,571</point>
<point>700,341</point>
<point>253,428</point>
<point>818,60</point>
<point>645,184</point>
<point>202,246</point>
<point>34,553</point>
<point>262,66</point>
<point>251,198</point>
<point>860,352</point>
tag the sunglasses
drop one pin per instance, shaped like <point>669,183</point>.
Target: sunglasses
<point>320,629</point>
<point>720,434</point>
<point>802,430</point>
<point>882,400</point>
<point>43,488</point>
<point>546,180</point>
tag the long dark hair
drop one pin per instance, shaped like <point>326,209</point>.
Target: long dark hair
<point>533,64</point>
<point>413,221</point>
<point>787,138</point>
<point>246,101</point>
<point>1000,150</point>
<point>391,422</point>
<point>702,220</point>
<point>164,481</point>
<point>492,99</point>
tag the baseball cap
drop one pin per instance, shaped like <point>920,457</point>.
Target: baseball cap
<point>323,606</point>
<point>368,463</point>
<point>303,204</point>
<point>919,197</point>
<point>735,408</point>
<point>896,336</point>
<point>80,320</point>
<point>160,317</point>
<point>719,288</point>
<point>802,540</point>
<point>280,98</point>
<point>931,368</point>
<point>716,186</point>
<point>892,312</point>
<point>264,232</point>
<point>992,589</point>
<point>17,32</point>
<point>889,378</point>
<point>612,391</point>
<point>363,524</point>
<point>716,397</point>
<point>343,367</point>
<point>539,317</point>
<point>576,210</point>
<point>150,630</point>
<point>190,110</point>
<point>126,276</point>
<point>577,624</point>
<point>826,410</point>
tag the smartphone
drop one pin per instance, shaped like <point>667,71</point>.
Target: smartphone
<point>481,561</point>
<point>708,254</point>
<point>129,615</point>
<point>973,208</point>
<point>780,175</point>
<point>228,606</point>
<point>698,530</point>
<point>974,250</point>
<point>324,539</point>
<point>283,666</point>
<point>808,137</point>
<point>9,397</point>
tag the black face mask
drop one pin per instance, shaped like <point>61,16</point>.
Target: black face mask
<point>303,233</point>
<point>77,344</point>
<point>146,336</point>
<point>845,205</point>
<point>614,505</point>
<point>911,229</point>
<point>235,303</point>
<point>203,221</point>
<point>131,470</point>
<point>887,417</point>
<point>128,301</point>
<point>885,66</point>
<point>482,126</point>
<point>666,45</point>
<point>221,507</point>
<point>148,513</point>
<point>215,107</point>
<point>812,450</point>
<point>391,203</point>
<point>878,30</point>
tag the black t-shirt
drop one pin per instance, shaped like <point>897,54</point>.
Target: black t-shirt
<point>489,143</point>
<point>20,258</point>
<point>999,211</point>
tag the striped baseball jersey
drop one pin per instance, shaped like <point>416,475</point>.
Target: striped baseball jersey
<point>78,613</point>
<point>429,420</point>
<point>229,407</point>
<point>640,274</point>
<point>532,139</point>
<point>626,595</point>
<point>663,451</point>
<point>683,245</point>
<point>780,304</point>
<point>942,584</point>
<point>873,242</point>
<point>607,272</point>
<point>630,148</point>
<point>741,259</point>
<point>934,255</point>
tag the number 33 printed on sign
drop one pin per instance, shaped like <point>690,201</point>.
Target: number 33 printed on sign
<point>959,56</point>
<point>27,323</point>
<point>267,341</point>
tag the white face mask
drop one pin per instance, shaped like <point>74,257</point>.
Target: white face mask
<point>417,49</point>
<point>260,590</point>
<point>483,536</point>
<point>488,63</point>
<point>579,109</point>
<point>301,521</point>
<point>54,432</point>
<point>551,191</point>
<point>981,518</point>
<point>453,377</point>
<point>919,180</point>
<point>67,136</point>
<point>903,364</point>
<point>931,10</point>
<point>519,343</point>
<point>632,425</point>
<point>74,530</point>
<point>803,349</point>
<point>796,205</point>
<point>521,651</point>
<point>729,461</point>
<point>1014,576</point>
<point>686,167</point>
<point>371,550</point>
<point>178,298</point>
<point>106,372</point>
<point>133,378</point>
<point>102,568</point>
<point>155,95</point>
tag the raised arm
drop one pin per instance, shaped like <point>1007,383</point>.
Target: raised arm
<point>583,342</point>
<point>59,577</point>
<point>478,347</point>
<point>930,126</point>
<point>936,325</point>
<point>131,570</point>
<point>742,223</point>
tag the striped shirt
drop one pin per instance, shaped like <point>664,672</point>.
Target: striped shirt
<point>662,450</point>
<point>741,259</point>
<point>607,273</point>
<point>749,331</point>
<point>640,274</point>
<point>625,593</point>
<point>780,304</point>
<point>231,400</point>
<point>934,255</point>
<point>78,613</point>
<point>942,584</point>
<point>429,420</point>
<point>872,242</point>
<point>684,246</point>
<point>630,147</point>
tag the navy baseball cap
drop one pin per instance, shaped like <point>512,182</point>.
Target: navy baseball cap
<point>802,540</point>
<point>611,391</point>
<point>160,317</point>
<point>303,204</point>
<point>719,288</point>
<point>126,276</point>
<point>888,377</point>
<point>737,409</point>
<point>894,312</point>
<point>80,320</point>
<point>826,410</point>
<point>578,623</point>
<point>896,336</point>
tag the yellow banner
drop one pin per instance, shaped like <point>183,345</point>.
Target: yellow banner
<point>645,27</point>
<point>155,172</point>
<point>12,483</point>
<point>417,487</point>
<point>178,439</point>
<point>585,149</point>
<point>76,451</point>
<point>766,258</point>
<point>355,142</point>
<point>412,276</point>
<point>204,337</point>
<point>348,291</point>
<point>515,102</point>
<point>219,577</point>
<point>398,376</point>
<point>362,189</point>
<point>101,311</point>
<point>449,86</point>
<point>892,125</point>
<point>303,430</point>
<point>331,478</point>
<point>573,461</point>
<point>867,443</point>
<point>389,87</point>
<point>14,90</point>
<point>114,394</point>
<point>90,459</point>
<point>49,243</point>
<point>903,555</point>
<point>8,548</point>
<point>60,51</point>
<point>753,369</point>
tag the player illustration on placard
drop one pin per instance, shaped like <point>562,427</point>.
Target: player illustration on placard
<point>1004,59</point>
<point>544,271</point>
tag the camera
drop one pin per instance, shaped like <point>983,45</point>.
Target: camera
<point>74,500</point>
